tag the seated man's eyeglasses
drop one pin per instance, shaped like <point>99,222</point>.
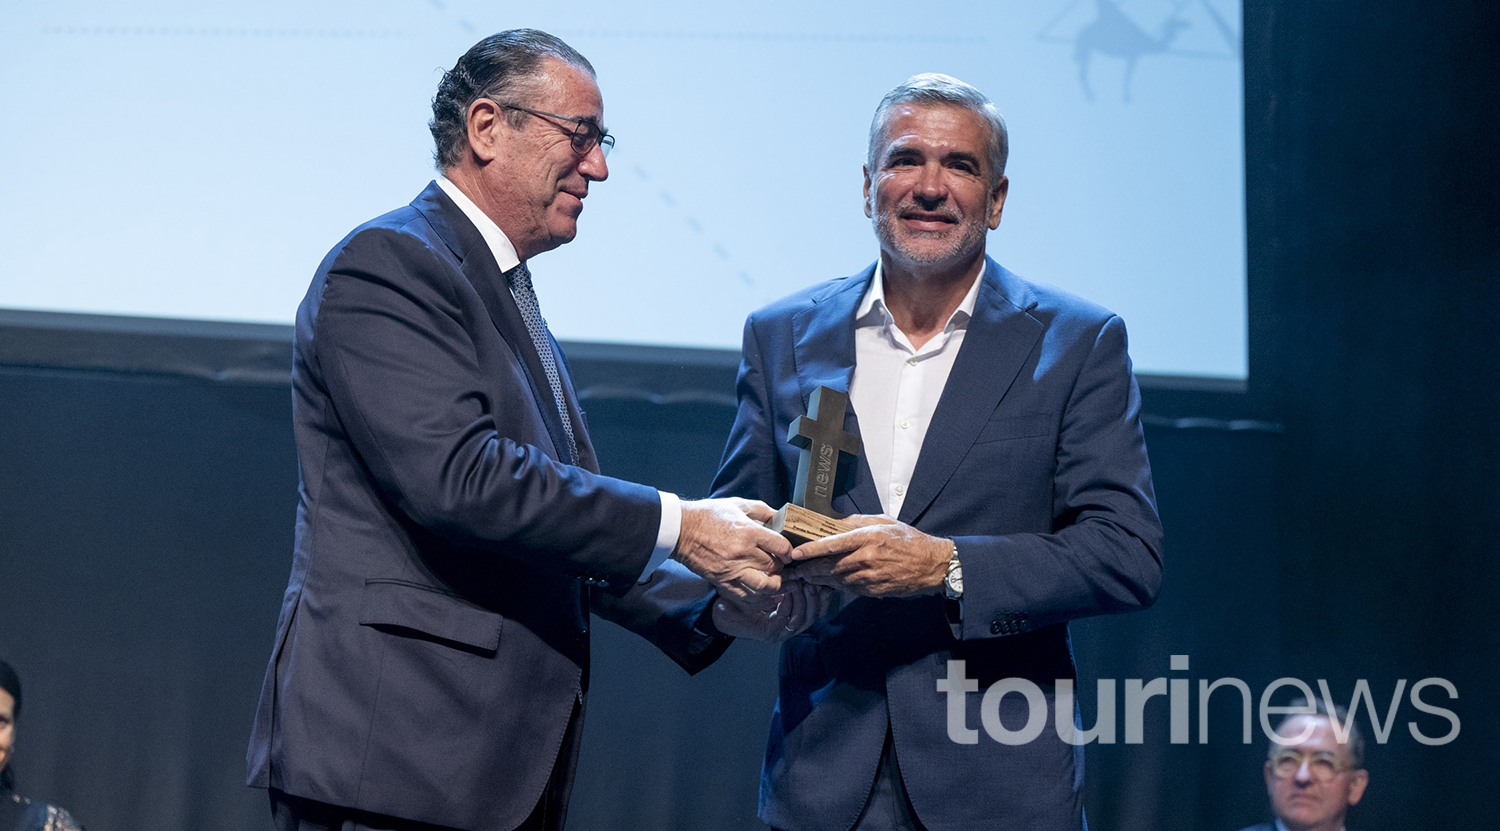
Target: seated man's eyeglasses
<point>1321,765</point>
<point>585,134</point>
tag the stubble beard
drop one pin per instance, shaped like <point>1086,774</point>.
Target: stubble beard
<point>961,247</point>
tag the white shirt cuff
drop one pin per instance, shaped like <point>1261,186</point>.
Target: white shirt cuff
<point>666,534</point>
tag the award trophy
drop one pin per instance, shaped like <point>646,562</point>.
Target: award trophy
<point>820,434</point>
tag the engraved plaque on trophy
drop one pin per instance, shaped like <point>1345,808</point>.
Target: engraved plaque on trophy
<point>821,437</point>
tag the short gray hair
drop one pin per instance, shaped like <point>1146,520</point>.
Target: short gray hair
<point>933,88</point>
<point>1356,742</point>
<point>498,67</point>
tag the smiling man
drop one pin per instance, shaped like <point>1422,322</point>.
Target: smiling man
<point>453,531</point>
<point>1002,445</point>
<point>1313,779</point>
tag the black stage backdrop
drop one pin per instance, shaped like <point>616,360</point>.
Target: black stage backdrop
<point>1338,521</point>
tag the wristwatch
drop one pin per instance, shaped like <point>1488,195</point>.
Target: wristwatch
<point>953,584</point>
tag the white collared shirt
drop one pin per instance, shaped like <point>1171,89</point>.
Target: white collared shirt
<point>895,387</point>
<point>1280,826</point>
<point>505,257</point>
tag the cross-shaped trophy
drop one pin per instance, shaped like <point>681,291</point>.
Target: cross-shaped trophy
<point>821,437</point>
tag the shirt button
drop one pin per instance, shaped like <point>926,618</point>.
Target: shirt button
<point>900,490</point>
<point>905,424</point>
<point>911,361</point>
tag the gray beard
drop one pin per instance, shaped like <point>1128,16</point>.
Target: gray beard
<point>959,250</point>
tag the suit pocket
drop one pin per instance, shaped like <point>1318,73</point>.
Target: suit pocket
<point>1010,428</point>
<point>400,605</point>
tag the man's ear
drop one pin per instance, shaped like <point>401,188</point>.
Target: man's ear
<point>997,200</point>
<point>1358,781</point>
<point>869,209</point>
<point>486,124</point>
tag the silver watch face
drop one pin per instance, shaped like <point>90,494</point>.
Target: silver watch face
<point>955,581</point>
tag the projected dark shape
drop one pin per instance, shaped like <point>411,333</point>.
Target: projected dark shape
<point>1231,37</point>
<point>1114,33</point>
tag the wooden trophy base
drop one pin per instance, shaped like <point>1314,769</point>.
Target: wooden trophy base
<point>800,525</point>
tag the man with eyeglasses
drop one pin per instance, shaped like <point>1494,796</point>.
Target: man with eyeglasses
<point>453,531</point>
<point>1312,777</point>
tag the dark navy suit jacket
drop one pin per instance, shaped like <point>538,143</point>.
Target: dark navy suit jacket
<point>433,639</point>
<point>1035,465</point>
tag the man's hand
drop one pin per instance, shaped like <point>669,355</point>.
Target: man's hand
<point>773,617</point>
<point>723,541</point>
<point>879,558</point>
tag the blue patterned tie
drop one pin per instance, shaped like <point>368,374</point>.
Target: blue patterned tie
<point>520,286</point>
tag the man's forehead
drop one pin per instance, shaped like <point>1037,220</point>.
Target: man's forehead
<point>1321,736</point>
<point>913,123</point>
<point>567,89</point>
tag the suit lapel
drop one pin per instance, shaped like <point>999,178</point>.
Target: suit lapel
<point>1001,336</point>
<point>823,352</point>
<point>480,269</point>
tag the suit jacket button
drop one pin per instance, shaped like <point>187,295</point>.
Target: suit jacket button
<point>995,628</point>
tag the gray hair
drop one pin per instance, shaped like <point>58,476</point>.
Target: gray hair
<point>935,88</point>
<point>500,66</point>
<point>1356,744</point>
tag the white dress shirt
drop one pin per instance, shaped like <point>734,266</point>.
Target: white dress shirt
<point>505,257</point>
<point>1280,826</point>
<point>895,387</point>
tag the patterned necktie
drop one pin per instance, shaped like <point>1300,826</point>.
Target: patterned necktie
<point>520,286</point>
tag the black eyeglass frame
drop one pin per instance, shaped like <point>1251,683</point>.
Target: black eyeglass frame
<point>583,137</point>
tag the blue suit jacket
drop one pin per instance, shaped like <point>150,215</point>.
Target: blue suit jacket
<point>433,639</point>
<point>1035,465</point>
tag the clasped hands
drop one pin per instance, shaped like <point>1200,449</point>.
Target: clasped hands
<point>769,590</point>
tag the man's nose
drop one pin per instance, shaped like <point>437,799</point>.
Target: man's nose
<point>931,186</point>
<point>593,166</point>
<point>1304,773</point>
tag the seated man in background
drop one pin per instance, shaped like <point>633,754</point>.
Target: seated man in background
<point>1315,779</point>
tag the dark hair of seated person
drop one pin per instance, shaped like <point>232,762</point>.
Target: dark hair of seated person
<point>17,813</point>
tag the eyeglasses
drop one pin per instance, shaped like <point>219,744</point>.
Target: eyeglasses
<point>1322,765</point>
<point>585,134</point>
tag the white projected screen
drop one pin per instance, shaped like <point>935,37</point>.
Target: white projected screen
<point>197,160</point>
